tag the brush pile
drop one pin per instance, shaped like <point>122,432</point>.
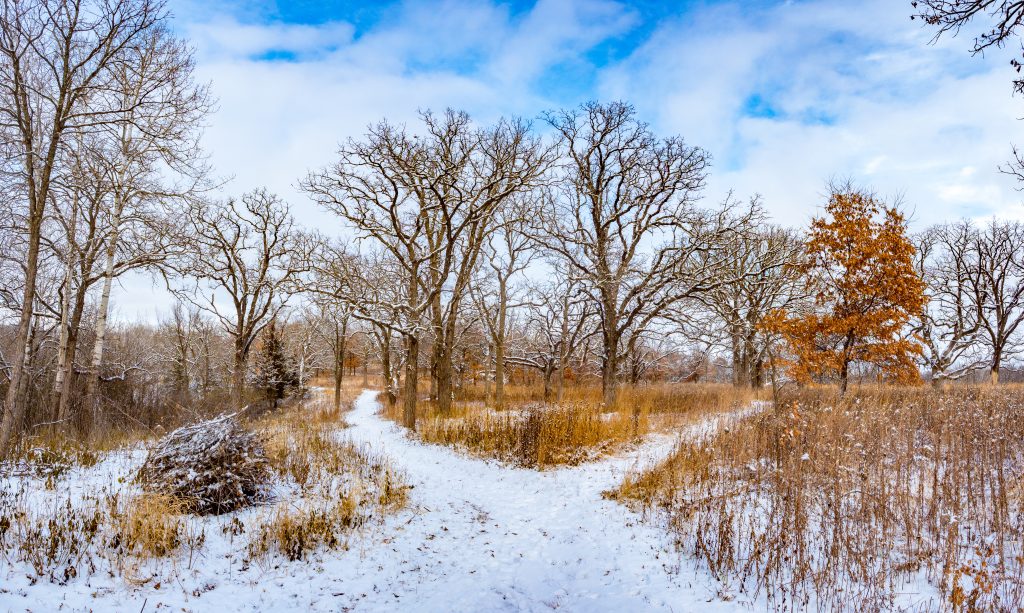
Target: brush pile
<point>213,467</point>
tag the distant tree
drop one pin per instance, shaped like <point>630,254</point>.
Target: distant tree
<point>250,259</point>
<point>766,266</point>
<point>866,290</point>
<point>427,202</point>
<point>996,258</point>
<point>274,372</point>
<point>507,252</point>
<point>949,327</point>
<point>625,220</point>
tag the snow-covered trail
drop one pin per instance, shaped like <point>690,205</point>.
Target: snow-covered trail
<point>487,537</point>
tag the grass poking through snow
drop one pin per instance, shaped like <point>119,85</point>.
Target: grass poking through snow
<point>840,503</point>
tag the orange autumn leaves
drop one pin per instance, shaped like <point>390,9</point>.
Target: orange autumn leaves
<point>865,290</point>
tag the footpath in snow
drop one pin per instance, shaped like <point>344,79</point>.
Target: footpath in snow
<point>477,536</point>
<point>487,537</point>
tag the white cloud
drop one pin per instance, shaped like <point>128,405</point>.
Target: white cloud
<point>855,91</point>
<point>848,89</point>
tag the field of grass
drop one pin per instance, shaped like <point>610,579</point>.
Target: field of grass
<point>532,434</point>
<point>871,501</point>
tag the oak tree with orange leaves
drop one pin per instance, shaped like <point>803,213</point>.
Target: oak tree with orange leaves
<point>865,288</point>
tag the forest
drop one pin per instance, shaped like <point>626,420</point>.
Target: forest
<point>545,312</point>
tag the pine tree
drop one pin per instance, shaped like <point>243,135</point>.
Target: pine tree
<point>274,373</point>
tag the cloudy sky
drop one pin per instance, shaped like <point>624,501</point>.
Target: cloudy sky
<point>785,95</point>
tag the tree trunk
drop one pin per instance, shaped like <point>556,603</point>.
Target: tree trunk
<point>103,308</point>
<point>560,392</point>
<point>385,367</point>
<point>610,334</point>
<point>499,344</point>
<point>67,367</point>
<point>339,373</point>
<point>411,373</point>
<point>238,376</point>
<point>487,375</point>
<point>564,349</point>
<point>444,381</point>
<point>366,364</point>
<point>757,375</point>
<point>445,372</point>
<point>15,404</point>
<point>997,359</point>
<point>339,360</point>
<point>737,361</point>
<point>65,338</point>
<point>499,375</point>
<point>609,374</point>
<point>432,390</point>
<point>549,369</point>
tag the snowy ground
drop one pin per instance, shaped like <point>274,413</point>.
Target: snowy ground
<point>478,536</point>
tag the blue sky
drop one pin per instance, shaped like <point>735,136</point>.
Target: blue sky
<point>785,95</point>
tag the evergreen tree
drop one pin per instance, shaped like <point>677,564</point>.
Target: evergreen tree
<point>275,373</point>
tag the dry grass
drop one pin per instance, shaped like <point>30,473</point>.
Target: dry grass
<point>369,491</point>
<point>326,487</point>
<point>152,526</point>
<point>300,445</point>
<point>60,542</point>
<point>836,503</point>
<point>532,434</point>
<point>342,486</point>
<point>662,398</point>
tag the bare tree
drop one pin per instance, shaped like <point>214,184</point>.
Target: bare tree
<point>427,202</point>
<point>104,236</point>
<point>179,334</point>
<point>560,318</point>
<point>507,253</point>
<point>382,338</point>
<point>626,223</point>
<point>57,65</point>
<point>249,258</point>
<point>765,274</point>
<point>152,157</point>
<point>1003,22</point>
<point>996,282</point>
<point>304,339</point>
<point>333,327</point>
<point>949,327</point>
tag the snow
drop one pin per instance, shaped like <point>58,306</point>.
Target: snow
<point>477,536</point>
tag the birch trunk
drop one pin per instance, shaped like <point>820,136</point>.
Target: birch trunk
<point>104,306</point>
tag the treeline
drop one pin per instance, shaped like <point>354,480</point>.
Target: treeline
<point>575,246</point>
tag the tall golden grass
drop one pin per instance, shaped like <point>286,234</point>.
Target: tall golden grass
<point>534,434</point>
<point>834,503</point>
